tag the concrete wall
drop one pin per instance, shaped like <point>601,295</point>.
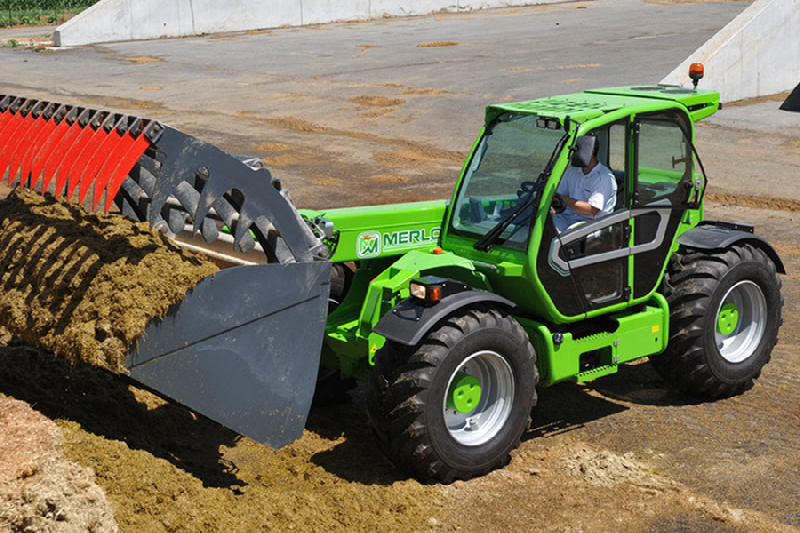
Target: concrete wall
<point>756,54</point>
<point>121,20</point>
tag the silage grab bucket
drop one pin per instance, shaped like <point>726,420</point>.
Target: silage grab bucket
<point>243,346</point>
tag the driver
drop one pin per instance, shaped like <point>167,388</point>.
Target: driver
<point>587,188</point>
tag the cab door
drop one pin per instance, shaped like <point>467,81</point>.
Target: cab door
<point>588,266</point>
<point>662,186</point>
<point>620,257</point>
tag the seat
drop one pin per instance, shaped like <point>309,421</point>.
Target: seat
<point>619,175</point>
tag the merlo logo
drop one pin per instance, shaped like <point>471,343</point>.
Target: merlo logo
<point>368,244</point>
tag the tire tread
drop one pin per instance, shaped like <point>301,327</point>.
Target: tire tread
<point>397,392</point>
<point>690,284</point>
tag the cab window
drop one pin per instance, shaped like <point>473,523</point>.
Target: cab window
<point>664,160</point>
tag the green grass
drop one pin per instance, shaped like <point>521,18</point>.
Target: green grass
<point>36,12</point>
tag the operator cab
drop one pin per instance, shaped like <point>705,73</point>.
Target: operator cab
<point>503,199</point>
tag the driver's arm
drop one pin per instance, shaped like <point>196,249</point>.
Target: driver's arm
<point>579,206</point>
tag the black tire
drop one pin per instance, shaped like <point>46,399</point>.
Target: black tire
<point>408,390</point>
<point>725,312</point>
<point>341,279</point>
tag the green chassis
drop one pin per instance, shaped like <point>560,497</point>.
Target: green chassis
<point>395,244</point>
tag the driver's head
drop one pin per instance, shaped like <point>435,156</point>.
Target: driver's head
<point>586,148</point>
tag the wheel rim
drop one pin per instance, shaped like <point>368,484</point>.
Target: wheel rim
<point>741,321</point>
<point>484,380</point>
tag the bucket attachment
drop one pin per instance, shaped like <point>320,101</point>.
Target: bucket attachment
<point>243,346</point>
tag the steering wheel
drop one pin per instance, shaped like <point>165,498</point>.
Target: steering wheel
<point>525,188</point>
<point>558,204</point>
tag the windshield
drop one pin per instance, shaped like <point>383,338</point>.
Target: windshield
<point>502,173</point>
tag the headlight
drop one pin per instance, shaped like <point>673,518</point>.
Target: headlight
<point>426,292</point>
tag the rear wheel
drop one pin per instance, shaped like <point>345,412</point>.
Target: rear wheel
<point>725,311</point>
<point>454,407</point>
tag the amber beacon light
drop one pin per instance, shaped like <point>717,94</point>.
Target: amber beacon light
<point>696,72</point>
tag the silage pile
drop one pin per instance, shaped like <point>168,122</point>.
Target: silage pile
<point>85,285</point>
<point>41,491</point>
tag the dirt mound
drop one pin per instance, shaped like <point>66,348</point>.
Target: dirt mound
<point>605,468</point>
<point>562,485</point>
<point>166,469</point>
<point>85,285</point>
<point>367,101</point>
<point>25,435</point>
<point>40,490</point>
<point>757,202</point>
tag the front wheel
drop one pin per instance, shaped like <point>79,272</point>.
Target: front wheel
<point>331,387</point>
<point>725,311</point>
<point>455,407</point>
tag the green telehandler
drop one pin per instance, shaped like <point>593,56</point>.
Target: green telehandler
<point>455,311</point>
<point>460,309</point>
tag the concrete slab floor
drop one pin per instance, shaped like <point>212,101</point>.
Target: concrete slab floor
<point>339,103</point>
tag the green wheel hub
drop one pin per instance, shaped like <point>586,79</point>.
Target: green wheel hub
<point>728,319</point>
<point>464,394</point>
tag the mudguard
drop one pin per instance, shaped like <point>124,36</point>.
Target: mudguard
<point>411,320</point>
<point>711,235</point>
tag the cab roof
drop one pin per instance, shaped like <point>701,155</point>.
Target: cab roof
<point>596,102</point>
